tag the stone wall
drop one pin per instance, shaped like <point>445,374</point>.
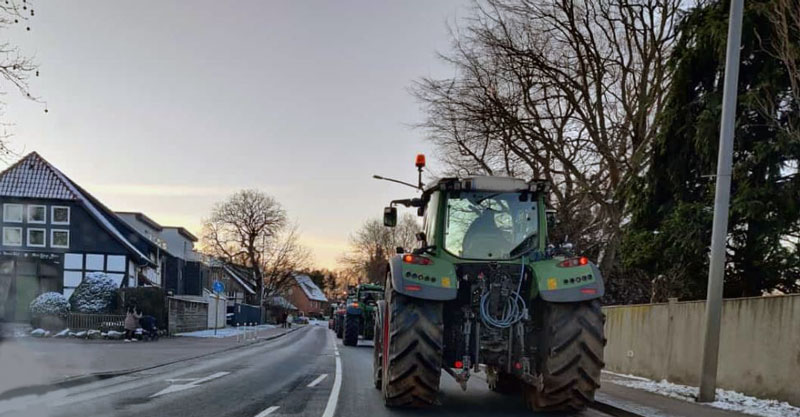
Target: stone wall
<point>759,345</point>
<point>187,314</point>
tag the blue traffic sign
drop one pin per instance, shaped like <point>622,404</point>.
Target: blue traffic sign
<point>218,287</point>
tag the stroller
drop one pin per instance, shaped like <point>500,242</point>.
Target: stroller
<point>149,330</point>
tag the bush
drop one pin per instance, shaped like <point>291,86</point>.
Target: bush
<point>50,304</point>
<point>96,294</point>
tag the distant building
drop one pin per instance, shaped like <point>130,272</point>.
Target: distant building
<point>240,286</point>
<point>54,233</point>
<point>184,271</point>
<point>306,295</point>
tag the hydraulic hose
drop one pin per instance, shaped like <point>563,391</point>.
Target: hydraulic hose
<point>513,311</point>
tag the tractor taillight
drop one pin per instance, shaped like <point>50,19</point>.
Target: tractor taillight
<point>459,364</point>
<point>413,287</point>
<point>569,263</point>
<point>416,260</point>
<point>355,305</point>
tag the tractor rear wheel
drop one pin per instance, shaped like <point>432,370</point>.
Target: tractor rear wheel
<point>413,349</point>
<point>351,324</point>
<point>377,352</point>
<point>339,327</point>
<point>570,357</point>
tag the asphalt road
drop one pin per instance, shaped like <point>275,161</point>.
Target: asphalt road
<point>294,375</point>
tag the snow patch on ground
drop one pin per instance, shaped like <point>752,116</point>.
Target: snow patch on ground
<point>726,400</point>
<point>227,332</point>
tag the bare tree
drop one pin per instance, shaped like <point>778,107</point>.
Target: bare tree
<point>785,47</point>
<point>373,244</point>
<point>16,68</point>
<point>564,91</point>
<point>245,229</point>
<point>283,256</point>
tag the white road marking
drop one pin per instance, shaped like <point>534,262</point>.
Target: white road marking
<point>174,380</point>
<point>319,379</point>
<point>183,387</point>
<point>268,411</point>
<point>333,399</point>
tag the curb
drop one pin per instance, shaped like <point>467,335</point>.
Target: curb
<point>99,376</point>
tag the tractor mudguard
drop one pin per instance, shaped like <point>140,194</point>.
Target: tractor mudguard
<point>567,285</point>
<point>437,281</point>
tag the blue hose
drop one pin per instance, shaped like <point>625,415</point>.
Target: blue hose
<point>513,311</point>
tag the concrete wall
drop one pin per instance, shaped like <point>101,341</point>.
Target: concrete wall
<point>220,310</point>
<point>187,315</point>
<point>759,353</point>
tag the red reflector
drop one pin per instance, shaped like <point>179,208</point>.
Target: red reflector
<point>588,290</point>
<point>518,365</point>
<point>459,364</point>
<point>417,260</point>
<point>569,263</point>
<point>413,288</point>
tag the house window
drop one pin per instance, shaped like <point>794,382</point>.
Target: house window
<point>59,238</point>
<point>12,236</point>
<point>12,213</point>
<point>59,215</point>
<point>37,214</point>
<point>36,238</point>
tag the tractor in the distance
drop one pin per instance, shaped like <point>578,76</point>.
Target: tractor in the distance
<point>486,291</point>
<point>359,317</point>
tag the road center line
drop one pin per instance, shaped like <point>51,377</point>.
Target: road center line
<point>319,379</point>
<point>333,399</point>
<point>268,411</point>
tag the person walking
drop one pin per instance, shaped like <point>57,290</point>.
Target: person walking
<point>284,317</point>
<point>131,323</point>
<point>289,321</point>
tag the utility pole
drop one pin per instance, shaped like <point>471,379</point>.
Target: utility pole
<point>716,271</point>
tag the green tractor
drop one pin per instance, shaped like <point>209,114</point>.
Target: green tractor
<point>486,291</point>
<point>359,316</point>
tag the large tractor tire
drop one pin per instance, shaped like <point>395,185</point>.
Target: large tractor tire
<point>411,340</point>
<point>351,324</point>
<point>570,357</point>
<point>377,350</point>
<point>339,327</point>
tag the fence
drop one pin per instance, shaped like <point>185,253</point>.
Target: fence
<point>759,345</point>
<point>105,322</point>
<point>245,313</point>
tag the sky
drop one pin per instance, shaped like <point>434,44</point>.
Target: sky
<point>168,107</point>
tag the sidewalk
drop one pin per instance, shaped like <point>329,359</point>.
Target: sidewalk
<point>614,392</point>
<point>30,362</point>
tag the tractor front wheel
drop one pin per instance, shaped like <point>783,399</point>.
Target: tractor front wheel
<point>351,324</point>
<point>570,357</point>
<point>413,349</point>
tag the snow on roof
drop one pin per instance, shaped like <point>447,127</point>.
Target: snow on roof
<point>235,276</point>
<point>310,288</point>
<point>32,177</point>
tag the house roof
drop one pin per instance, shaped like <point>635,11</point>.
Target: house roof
<point>234,273</point>
<point>183,232</point>
<point>34,177</point>
<point>144,219</point>
<point>311,289</point>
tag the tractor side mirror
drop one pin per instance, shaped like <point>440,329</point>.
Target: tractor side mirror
<point>552,220</point>
<point>390,216</point>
